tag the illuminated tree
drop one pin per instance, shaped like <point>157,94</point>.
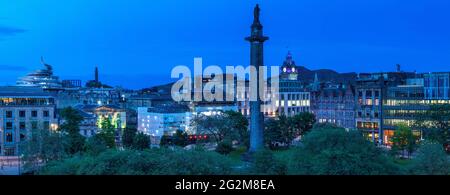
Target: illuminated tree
<point>435,123</point>
<point>404,140</point>
<point>107,132</point>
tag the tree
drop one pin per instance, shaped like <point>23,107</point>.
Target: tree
<point>224,147</point>
<point>166,140</point>
<point>278,132</point>
<point>128,137</point>
<point>435,123</point>
<point>41,147</point>
<point>335,151</point>
<point>265,163</point>
<point>239,125</point>
<point>147,162</point>
<point>107,132</point>
<point>228,125</point>
<point>303,122</point>
<point>431,160</point>
<point>95,145</point>
<point>404,140</point>
<point>141,141</point>
<point>71,127</point>
<point>180,138</point>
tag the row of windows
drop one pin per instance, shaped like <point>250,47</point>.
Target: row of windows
<point>369,93</point>
<point>368,114</point>
<point>23,125</point>
<point>23,113</point>
<point>9,138</point>
<point>303,96</point>
<point>415,102</point>
<point>367,125</point>
<point>369,101</point>
<point>404,113</point>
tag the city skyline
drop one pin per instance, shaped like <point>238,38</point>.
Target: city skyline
<point>346,37</point>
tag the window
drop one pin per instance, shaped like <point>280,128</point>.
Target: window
<point>46,113</point>
<point>9,151</point>
<point>34,125</point>
<point>22,113</point>
<point>9,125</point>
<point>9,114</point>
<point>9,137</point>
<point>376,114</point>
<point>22,137</point>
<point>22,126</point>
<point>34,113</point>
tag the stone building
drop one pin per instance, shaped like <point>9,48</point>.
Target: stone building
<point>23,110</point>
<point>335,105</point>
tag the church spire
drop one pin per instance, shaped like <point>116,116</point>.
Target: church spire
<point>316,83</point>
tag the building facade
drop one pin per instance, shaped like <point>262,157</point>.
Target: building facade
<point>23,110</point>
<point>335,105</point>
<point>163,120</point>
<point>371,92</point>
<point>437,85</point>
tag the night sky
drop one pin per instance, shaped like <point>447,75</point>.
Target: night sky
<point>136,43</point>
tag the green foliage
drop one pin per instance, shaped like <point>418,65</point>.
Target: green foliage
<point>166,140</point>
<point>41,147</point>
<point>147,162</point>
<point>303,122</point>
<point>265,163</point>
<point>72,119</point>
<point>141,141</point>
<point>71,127</point>
<point>224,147</point>
<point>404,140</point>
<point>334,151</point>
<point>128,137</point>
<point>95,145</point>
<point>74,143</point>
<point>107,132</point>
<point>431,160</point>
<point>180,138</point>
<point>280,132</point>
<point>228,125</point>
<point>436,123</point>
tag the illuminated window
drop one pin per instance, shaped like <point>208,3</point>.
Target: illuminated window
<point>9,137</point>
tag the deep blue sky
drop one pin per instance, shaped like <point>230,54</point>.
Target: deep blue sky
<point>136,43</point>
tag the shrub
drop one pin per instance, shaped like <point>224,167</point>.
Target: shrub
<point>431,160</point>
<point>265,163</point>
<point>224,147</point>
